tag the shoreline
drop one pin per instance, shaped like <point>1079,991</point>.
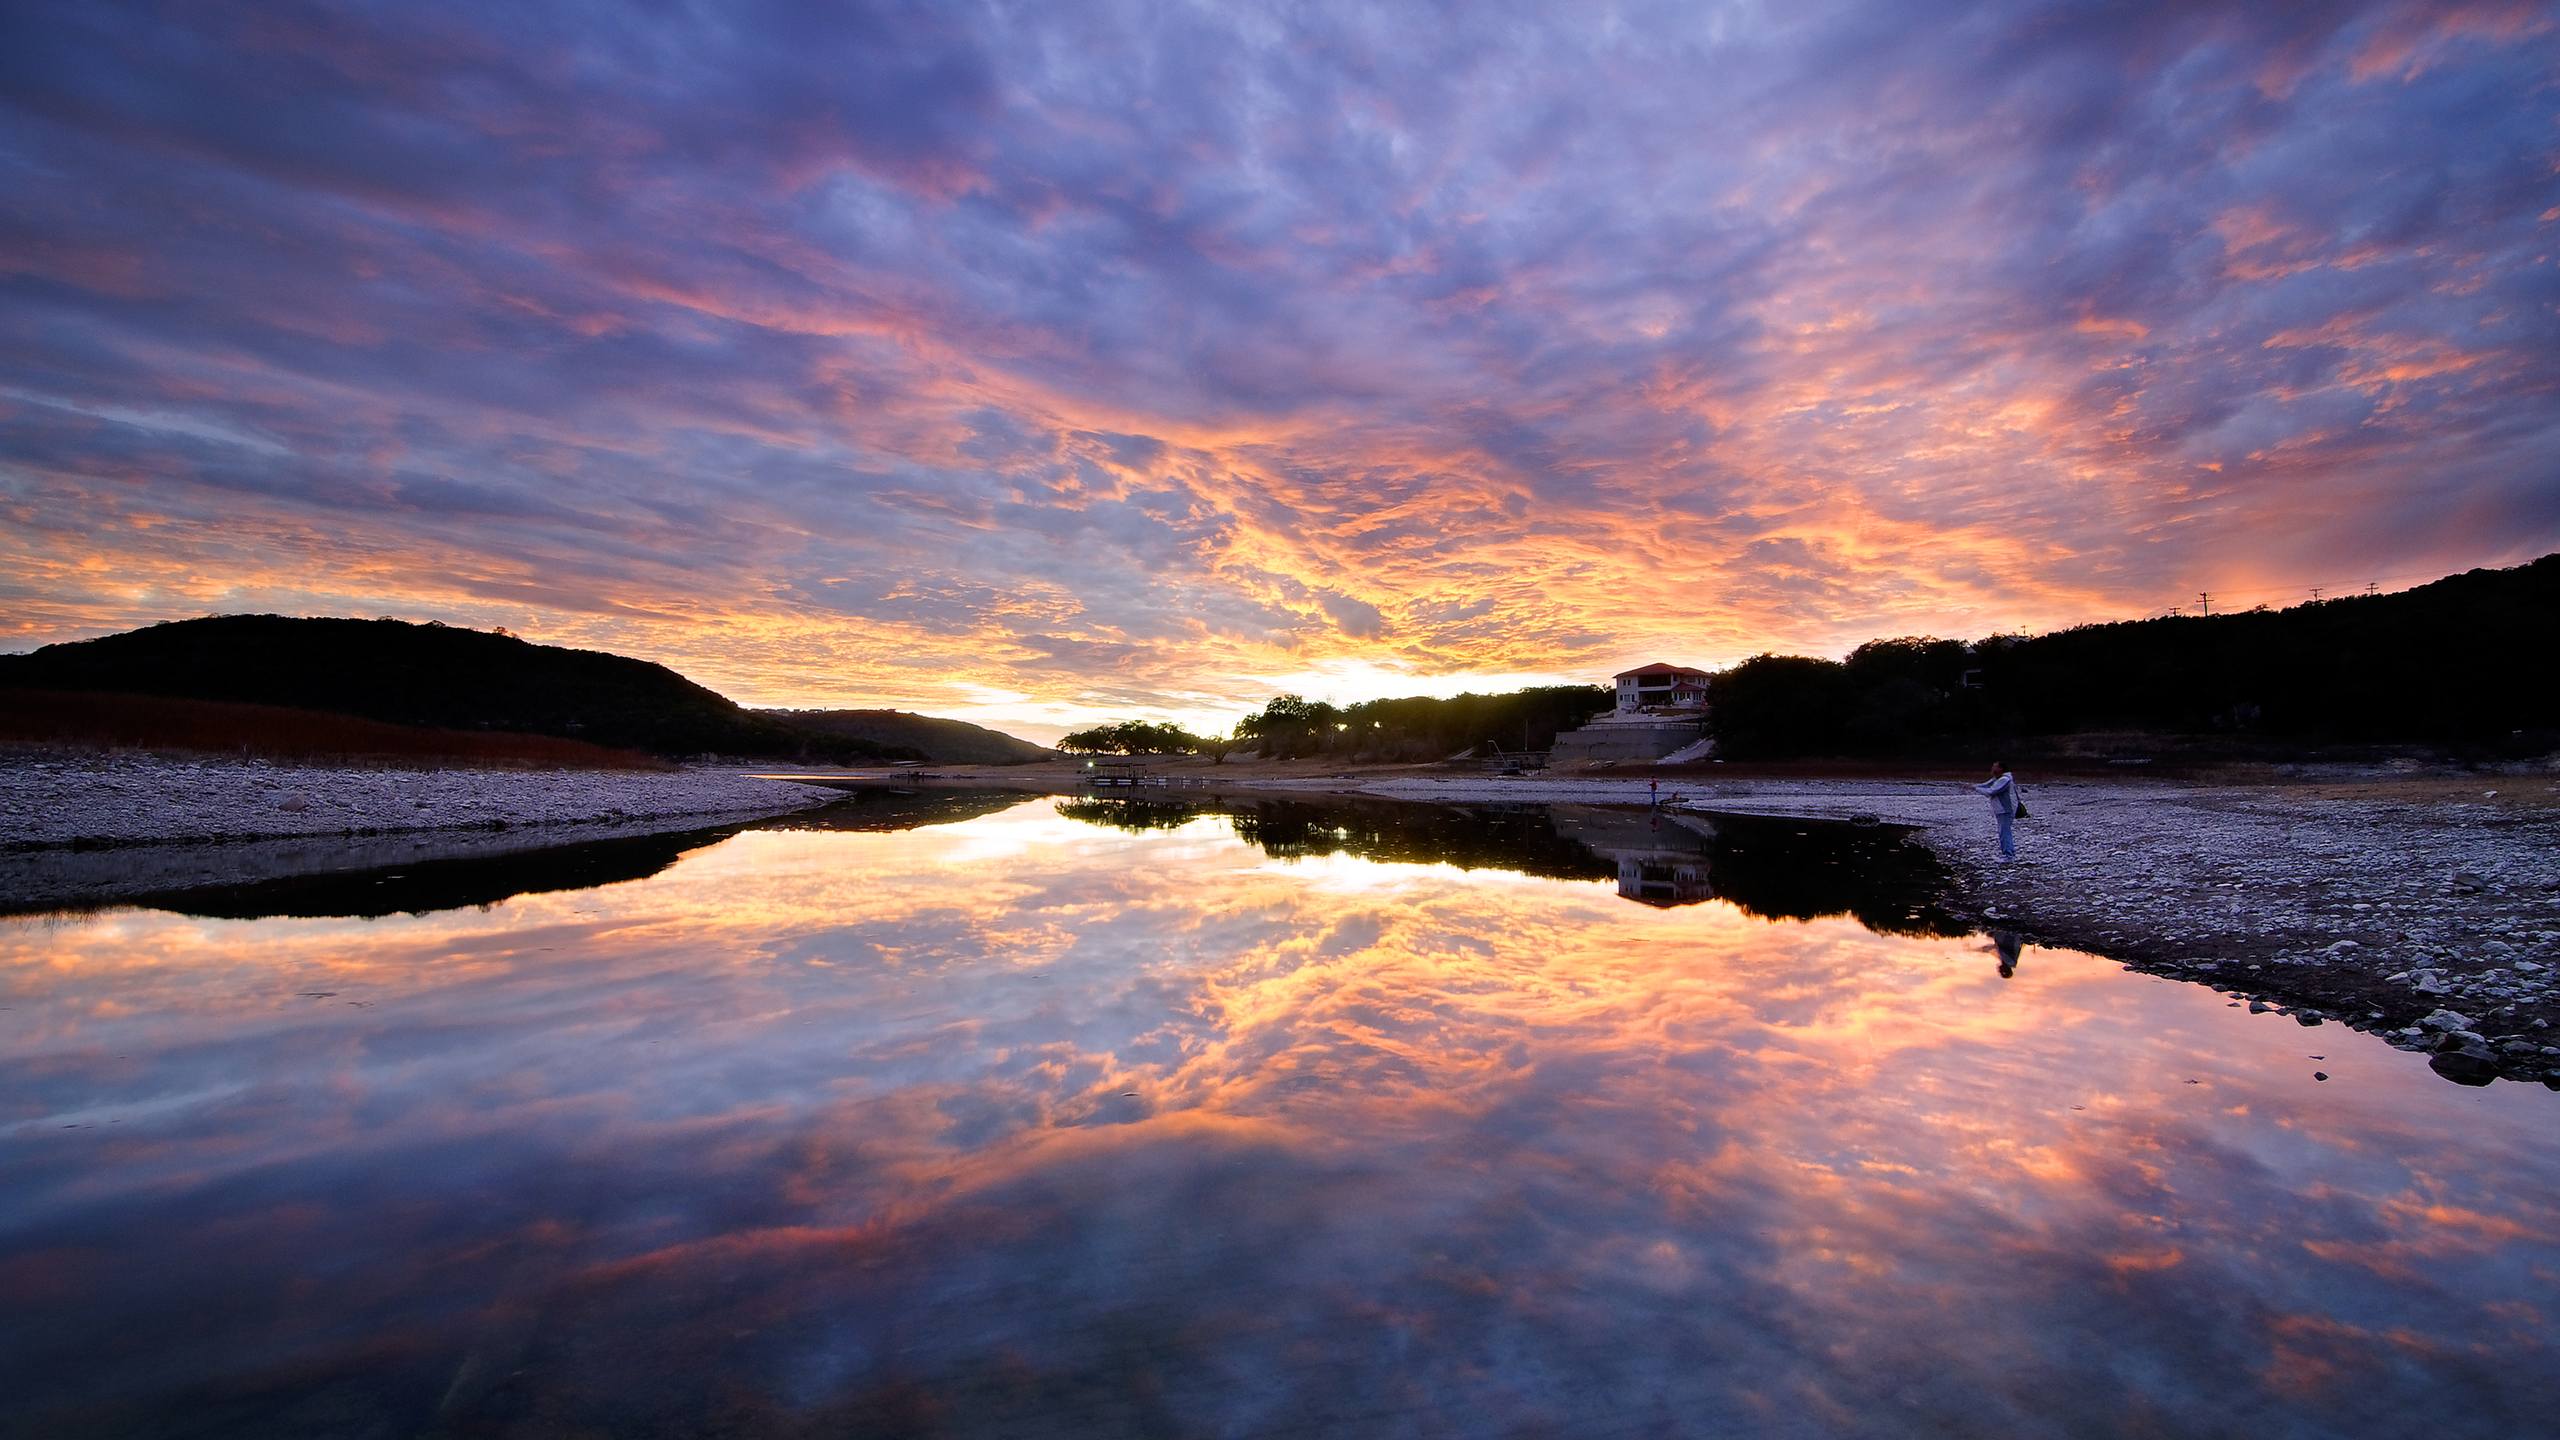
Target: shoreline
<point>82,830</point>
<point>2424,909</point>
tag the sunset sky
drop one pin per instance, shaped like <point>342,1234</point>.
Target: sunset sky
<point>1045,363</point>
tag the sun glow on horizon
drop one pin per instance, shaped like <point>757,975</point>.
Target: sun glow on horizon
<point>894,363</point>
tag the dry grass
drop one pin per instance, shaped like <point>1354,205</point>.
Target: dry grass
<point>91,720</point>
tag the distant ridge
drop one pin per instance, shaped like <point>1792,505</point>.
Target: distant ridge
<point>2451,663</point>
<point>428,675</point>
<point>945,742</point>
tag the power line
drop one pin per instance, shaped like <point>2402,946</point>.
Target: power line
<point>2368,586</point>
<point>2320,592</point>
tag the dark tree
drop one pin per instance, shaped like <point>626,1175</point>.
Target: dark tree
<point>1134,737</point>
<point>2453,663</point>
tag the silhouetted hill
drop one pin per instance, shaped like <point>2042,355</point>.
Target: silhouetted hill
<point>945,742</point>
<point>419,887</point>
<point>121,721</point>
<point>431,675</point>
<point>2455,663</point>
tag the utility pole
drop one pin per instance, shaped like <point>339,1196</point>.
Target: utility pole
<point>2315,592</point>
<point>2204,602</point>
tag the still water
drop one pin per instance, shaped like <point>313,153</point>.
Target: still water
<point>1024,1117</point>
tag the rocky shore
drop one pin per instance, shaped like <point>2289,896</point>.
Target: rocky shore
<point>79,828</point>
<point>2428,915</point>
<point>2423,910</point>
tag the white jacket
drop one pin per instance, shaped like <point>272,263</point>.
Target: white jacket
<point>2003,793</point>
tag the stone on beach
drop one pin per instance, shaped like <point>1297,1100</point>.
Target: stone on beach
<point>2316,888</point>
<point>93,827</point>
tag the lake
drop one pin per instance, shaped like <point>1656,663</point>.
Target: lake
<point>1017,1116</point>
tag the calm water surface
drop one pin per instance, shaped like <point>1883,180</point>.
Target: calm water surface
<point>1078,1118</point>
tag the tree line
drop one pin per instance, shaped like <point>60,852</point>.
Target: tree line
<point>2447,663</point>
<point>1417,727</point>
<point>1135,737</point>
<point>2450,663</point>
<point>1771,868</point>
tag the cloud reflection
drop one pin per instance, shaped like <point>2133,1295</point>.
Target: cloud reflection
<point>1019,1126</point>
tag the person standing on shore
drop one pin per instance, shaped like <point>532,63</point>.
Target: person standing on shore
<point>2006,804</point>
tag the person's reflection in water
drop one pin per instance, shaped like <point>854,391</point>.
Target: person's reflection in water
<point>2008,943</point>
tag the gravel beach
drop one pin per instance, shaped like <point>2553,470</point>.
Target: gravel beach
<point>77,828</point>
<point>2425,910</point>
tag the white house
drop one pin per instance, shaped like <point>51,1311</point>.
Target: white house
<point>1661,687</point>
